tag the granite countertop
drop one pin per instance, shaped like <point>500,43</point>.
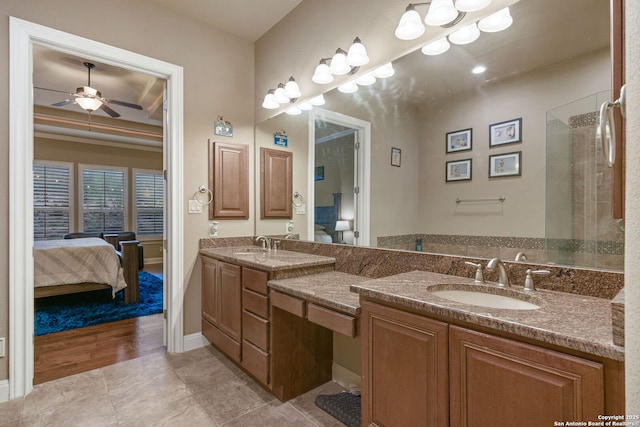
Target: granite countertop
<point>329,289</point>
<point>572,321</point>
<point>254,256</point>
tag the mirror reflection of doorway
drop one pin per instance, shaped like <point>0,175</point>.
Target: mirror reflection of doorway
<point>340,179</point>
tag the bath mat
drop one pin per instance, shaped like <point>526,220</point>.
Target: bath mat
<point>343,406</point>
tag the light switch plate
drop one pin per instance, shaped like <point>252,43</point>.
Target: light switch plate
<point>195,207</point>
<point>301,210</point>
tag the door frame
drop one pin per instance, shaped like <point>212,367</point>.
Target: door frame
<point>23,36</point>
<point>363,170</point>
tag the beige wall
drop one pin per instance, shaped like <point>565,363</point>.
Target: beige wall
<point>218,80</point>
<point>529,96</point>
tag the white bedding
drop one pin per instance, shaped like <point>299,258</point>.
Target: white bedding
<point>73,261</point>
<point>321,236</point>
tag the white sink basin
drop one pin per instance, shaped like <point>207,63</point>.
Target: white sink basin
<point>484,299</point>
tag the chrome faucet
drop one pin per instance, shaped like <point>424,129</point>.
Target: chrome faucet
<point>503,279</point>
<point>266,242</point>
<point>521,256</point>
<point>290,236</point>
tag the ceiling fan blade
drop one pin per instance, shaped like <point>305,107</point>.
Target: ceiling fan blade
<point>63,103</point>
<point>53,90</point>
<point>109,111</point>
<point>124,104</point>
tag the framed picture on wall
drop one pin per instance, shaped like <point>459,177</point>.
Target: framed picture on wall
<point>319,173</point>
<point>459,140</point>
<point>508,132</point>
<point>509,164</point>
<point>458,170</point>
<point>395,156</point>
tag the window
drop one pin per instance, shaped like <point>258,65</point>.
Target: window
<point>52,199</point>
<point>104,198</point>
<point>148,199</point>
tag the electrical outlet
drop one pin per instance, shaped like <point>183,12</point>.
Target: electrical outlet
<point>289,227</point>
<point>2,347</point>
<point>213,229</point>
<point>301,210</point>
<point>195,207</point>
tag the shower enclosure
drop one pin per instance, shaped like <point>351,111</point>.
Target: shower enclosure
<point>580,229</point>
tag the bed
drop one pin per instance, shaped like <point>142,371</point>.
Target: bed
<point>78,265</point>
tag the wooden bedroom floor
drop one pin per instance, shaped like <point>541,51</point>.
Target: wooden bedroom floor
<point>80,350</point>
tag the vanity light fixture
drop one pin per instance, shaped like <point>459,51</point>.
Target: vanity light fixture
<point>471,5</point>
<point>279,95</point>
<point>465,35</point>
<point>338,65</point>
<point>293,111</point>
<point>498,21</point>
<point>348,87</point>
<point>437,47</point>
<point>291,89</point>
<point>269,103</point>
<point>384,71</point>
<point>322,75</point>
<point>441,13</point>
<point>306,106</point>
<point>366,79</point>
<point>317,101</point>
<point>357,55</point>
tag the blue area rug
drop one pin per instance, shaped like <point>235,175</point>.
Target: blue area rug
<point>65,312</point>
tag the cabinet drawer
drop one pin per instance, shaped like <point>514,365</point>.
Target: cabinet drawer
<point>256,362</point>
<point>255,303</point>
<point>255,280</point>
<point>256,330</point>
<point>285,302</point>
<point>338,322</point>
<point>221,340</point>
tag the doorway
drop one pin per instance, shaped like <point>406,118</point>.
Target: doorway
<point>339,165</point>
<point>23,36</point>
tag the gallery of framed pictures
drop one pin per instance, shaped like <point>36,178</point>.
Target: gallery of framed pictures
<point>507,164</point>
<point>459,170</point>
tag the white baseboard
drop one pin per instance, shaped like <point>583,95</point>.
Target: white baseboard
<point>153,260</point>
<point>4,390</point>
<point>349,380</point>
<point>193,341</point>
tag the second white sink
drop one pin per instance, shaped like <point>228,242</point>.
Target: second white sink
<point>485,299</point>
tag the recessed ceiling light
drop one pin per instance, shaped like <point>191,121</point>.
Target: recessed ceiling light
<point>479,69</point>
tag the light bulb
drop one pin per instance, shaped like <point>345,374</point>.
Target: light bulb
<point>437,47</point>
<point>338,65</point>
<point>499,21</point>
<point>441,12</point>
<point>465,35</point>
<point>410,26</point>
<point>322,75</point>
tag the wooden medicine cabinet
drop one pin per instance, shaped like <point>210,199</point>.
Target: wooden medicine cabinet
<point>229,180</point>
<point>276,175</point>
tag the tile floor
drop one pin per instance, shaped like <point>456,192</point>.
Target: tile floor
<point>196,388</point>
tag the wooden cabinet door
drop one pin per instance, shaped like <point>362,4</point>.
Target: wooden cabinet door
<point>229,180</point>
<point>276,183</point>
<point>499,382</point>
<point>230,295</point>
<point>209,301</point>
<point>404,366</point>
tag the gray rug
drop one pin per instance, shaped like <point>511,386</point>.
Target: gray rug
<point>344,406</point>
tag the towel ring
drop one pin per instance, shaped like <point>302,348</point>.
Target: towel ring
<point>203,190</point>
<point>298,196</point>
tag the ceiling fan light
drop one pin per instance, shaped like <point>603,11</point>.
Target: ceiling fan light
<point>357,55</point>
<point>291,89</point>
<point>348,87</point>
<point>317,101</point>
<point>338,65</point>
<point>322,75</point>
<point>441,12</point>
<point>89,103</point>
<point>465,35</point>
<point>384,71</point>
<point>501,20</point>
<point>269,103</point>
<point>410,26</point>
<point>471,5</point>
<point>437,47</point>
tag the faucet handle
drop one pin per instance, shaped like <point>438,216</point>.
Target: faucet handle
<point>528,281</point>
<point>478,266</point>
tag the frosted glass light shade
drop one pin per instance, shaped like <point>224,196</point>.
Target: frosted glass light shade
<point>440,12</point>
<point>410,26</point>
<point>279,95</point>
<point>366,79</point>
<point>306,106</point>
<point>384,71</point>
<point>338,65</point>
<point>293,111</point>
<point>348,87</point>
<point>269,103</point>
<point>465,35</point>
<point>317,101</point>
<point>501,20</point>
<point>357,55</point>
<point>437,47</point>
<point>88,103</point>
<point>322,75</point>
<point>291,89</point>
<point>471,5</point>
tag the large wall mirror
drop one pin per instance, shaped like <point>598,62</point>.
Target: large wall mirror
<point>497,163</point>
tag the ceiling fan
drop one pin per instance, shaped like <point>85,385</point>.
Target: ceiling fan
<point>91,99</point>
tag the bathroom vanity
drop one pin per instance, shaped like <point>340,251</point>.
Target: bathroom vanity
<point>426,359</point>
